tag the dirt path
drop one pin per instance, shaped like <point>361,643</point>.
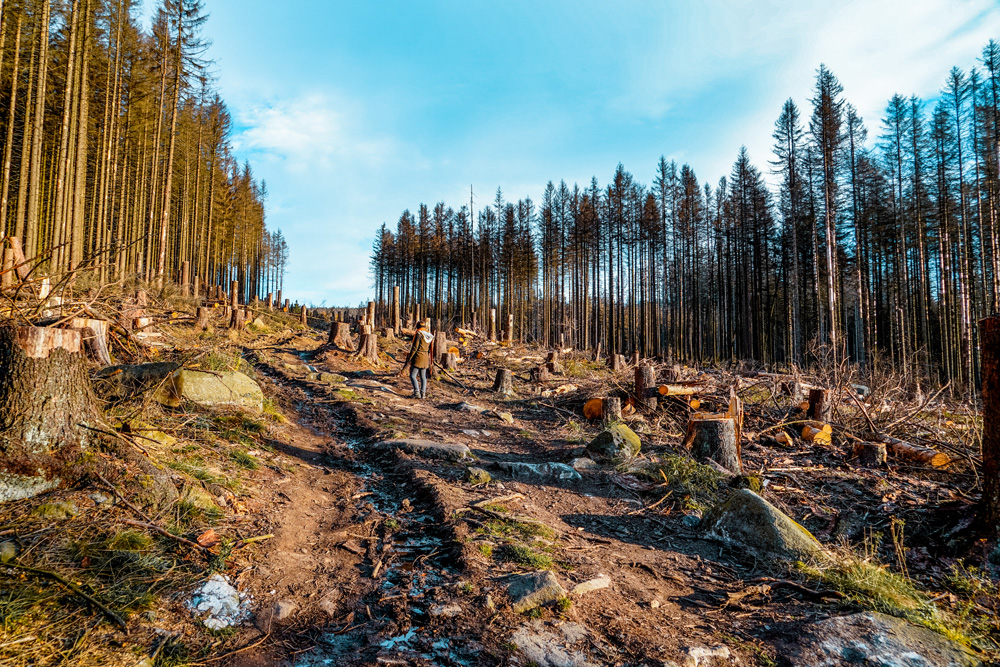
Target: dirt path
<point>377,558</point>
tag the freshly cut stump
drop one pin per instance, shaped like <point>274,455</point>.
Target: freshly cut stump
<point>504,383</point>
<point>340,336</point>
<point>45,399</point>
<point>715,439</point>
<point>820,407</point>
<point>645,389</point>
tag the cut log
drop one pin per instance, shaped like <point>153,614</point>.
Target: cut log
<point>816,435</point>
<point>820,407</point>
<point>616,362</point>
<point>340,336</point>
<point>504,383</point>
<point>645,389</point>
<point>594,409</point>
<point>450,361</point>
<point>694,404</point>
<point>715,440</point>
<point>95,338</point>
<point>917,453</point>
<point>45,401</point>
<point>680,389</point>
<point>612,409</point>
<point>236,319</point>
<point>201,323</point>
<point>870,454</point>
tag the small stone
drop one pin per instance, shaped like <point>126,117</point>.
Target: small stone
<point>505,416</point>
<point>100,499</point>
<point>332,378</point>
<point>449,610</point>
<point>477,476</point>
<point>469,407</point>
<point>654,604</point>
<point>528,591</point>
<point>284,610</point>
<point>703,656</point>
<point>617,443</point>
<point>596,584</point>
<point>8,550</point>
<point>691,520</point>
<point>583,463</point>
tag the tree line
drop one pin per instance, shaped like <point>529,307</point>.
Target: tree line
<point>116,155</point>
<point>865,245</point>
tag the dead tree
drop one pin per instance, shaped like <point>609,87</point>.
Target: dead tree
<point>396,320</point>
<point>45,401</point>
<point>645,389</point>
<point>493,325</point>
<point>715,440</point>
<point>504,383</point>
<point>510,328</point>
<point>989,510</point>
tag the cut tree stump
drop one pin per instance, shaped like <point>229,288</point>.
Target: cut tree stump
<point>870,454</point>
<point>237,319</point>
<point>645,389</point>
<point>541,374</point>
<point>368,345</point>
<point>616,362</point>
<point>612,409</point>
<point>493,325</point>
<point>552,363</point>
<point>340,336</point>
<point>304,317</point>
<point>820,407</point>
<point>504,383</point>
<point>388,333</point>
<point>715,440</point>
<point>45,401</point>
<point>201,323</point>
<point>440,347</point>
<point>95,338</point>
<point>450,361</point>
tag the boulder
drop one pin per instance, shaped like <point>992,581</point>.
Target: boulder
<point>429,449</point>
<point>528,591</point>
<point>539,472</point>
<point>747,520</point>
<point>332,378</point>
<point>557,647</point>
<point>469,407</point>
<point>617,443</point>
<point>595,584</point>
<point>477,476</point>
<point>870,638</point>
<point>213,389</point>
<point>218,604</point>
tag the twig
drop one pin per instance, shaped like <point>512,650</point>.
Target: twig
<point>122,498</point>
<point>55,576</point>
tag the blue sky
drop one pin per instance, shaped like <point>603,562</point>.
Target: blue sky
<point>352,111</point>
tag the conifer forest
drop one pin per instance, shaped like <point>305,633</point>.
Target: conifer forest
<point>852,240</point>
<point>116,153</point>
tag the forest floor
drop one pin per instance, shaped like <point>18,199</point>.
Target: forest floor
<point>350,553</point>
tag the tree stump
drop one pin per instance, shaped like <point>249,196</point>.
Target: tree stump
<point>820,407</point>
<point>870,454</point>
<point>636,359</point>
<point>95,338</point>
<point>646,390</point>
<point>201,323</point>
<point>440,347</point>
<point>368,345</point>
<point>237,320</point>
<point>612,409</point>
<point>715,439</point>
<point>450,361</point>
<point>303,316</point>
<point>674,374</point>
<point>616,362</point>
<point>340,336</point>
<point>45,399</point>
<point>504,383</point>
<point>541,374</point>
<point>388,333</point>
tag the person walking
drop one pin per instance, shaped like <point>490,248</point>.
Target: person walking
<point>419,359</point>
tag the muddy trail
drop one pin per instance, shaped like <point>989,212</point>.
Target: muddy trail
<point>410,562</point>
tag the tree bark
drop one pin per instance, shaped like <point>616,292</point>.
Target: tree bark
<point>340,336</point>
<point>95,338</point>
<point>368,345</point>
<point>870,454</point>
<point>201,324</point>
<point>396,321</point>
<point>612,409</point>
<point>820,407</point>
<point>715,439</point>
<point>645,389</point>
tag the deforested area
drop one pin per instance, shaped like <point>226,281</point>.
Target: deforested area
<point>705,422</point>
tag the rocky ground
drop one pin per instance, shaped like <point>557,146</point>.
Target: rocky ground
<point>349,524</point>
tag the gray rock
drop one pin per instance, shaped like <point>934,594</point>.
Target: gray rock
<point>539,472</point>
<point>707,656</point>
<point>212,389</point>
<point>429,449</point>
<point>595,584</point>
<point>749,521</point>
<point>8,550</point>
<point>691,520</point>
<point>15,487</point>
<point>583,463</point>
<point>284,610</point>
<point>552,648</point>
<point>871,638</point>
<point>528,591</point>
<point>332,378</point>
<point>469,407</point>
<point>617,443</point>
<point>477,476</point>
